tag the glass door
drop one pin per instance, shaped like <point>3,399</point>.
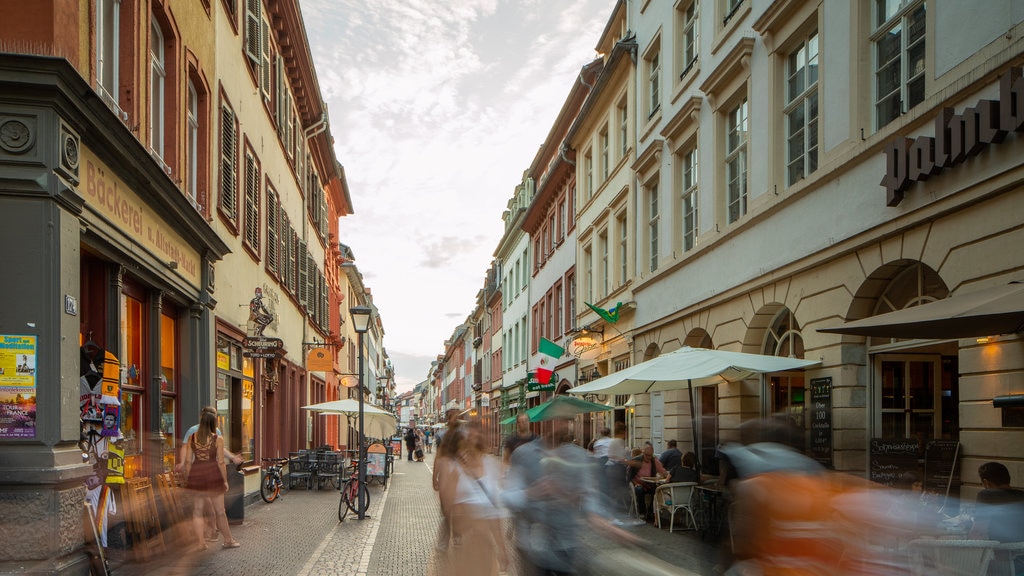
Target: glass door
<point>910,396</point>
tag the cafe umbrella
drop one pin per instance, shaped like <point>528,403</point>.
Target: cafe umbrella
<point>378,423</point>
<point>688,367</point>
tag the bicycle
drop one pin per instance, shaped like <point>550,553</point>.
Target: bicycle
<point>350,494</point>
<point>270,485</point>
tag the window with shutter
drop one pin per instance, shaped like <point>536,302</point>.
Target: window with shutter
<point>280,89</point>
<point>284,240</point>
<point>311,271</point>
<point>228,155</point>
<point>303,273</point>
<point>293,247</point>
<point>253,18</point>
<point>273,246</point>
<point>252,202</point>
<point>265,59</point>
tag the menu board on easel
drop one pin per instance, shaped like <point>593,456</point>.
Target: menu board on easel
<point>820,414</point>
<point>894,462</point>
<point>941,465</point>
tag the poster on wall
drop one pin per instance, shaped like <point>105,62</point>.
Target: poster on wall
<point>17,386</point>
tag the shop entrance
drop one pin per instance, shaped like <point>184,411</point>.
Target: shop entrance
<point>917,396</point>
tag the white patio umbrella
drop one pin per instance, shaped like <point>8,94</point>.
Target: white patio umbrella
<point>377,422</point>
<point>688,367</point>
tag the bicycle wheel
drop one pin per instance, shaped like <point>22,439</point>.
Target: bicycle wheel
<point>269,488</point>
<point>353,502</point>
<point>344,503</point>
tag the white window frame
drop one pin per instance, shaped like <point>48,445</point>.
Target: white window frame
<point>737,130</point>
<point>108,48</point>
<point>623,110</point>
<point>654,81</point>
<point>623,248</point>
<point>192,143</point>
<point>689,37</point>
<point>605,153</point>
<point>157,82</point>
<point>653,223</point>
<point>689,197</point>
<point>588,173</point>
<point>899,19</point>
<point>802,106</point>
<point>602,247</point>
<point>588,274</point>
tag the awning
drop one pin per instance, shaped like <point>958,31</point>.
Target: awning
<point>988,312</point>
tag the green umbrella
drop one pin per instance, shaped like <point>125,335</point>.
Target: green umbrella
<point>563,407</point>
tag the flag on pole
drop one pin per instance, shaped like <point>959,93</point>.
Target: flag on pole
<point>610,315</point>
<point>549,355</point>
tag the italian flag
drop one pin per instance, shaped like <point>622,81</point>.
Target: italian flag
<point>549,355</point>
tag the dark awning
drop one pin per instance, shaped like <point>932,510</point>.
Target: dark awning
<point>988,312</point>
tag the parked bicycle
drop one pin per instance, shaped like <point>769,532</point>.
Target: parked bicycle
<point>270,485</point>
<point>350,494</point>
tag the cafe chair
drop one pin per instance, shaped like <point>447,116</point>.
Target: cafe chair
<point>1007,553</point>
<point>672,498</point>
<point>929,557</point>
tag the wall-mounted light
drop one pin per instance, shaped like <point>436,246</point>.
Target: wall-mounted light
<point>986,339</point>
<point>173,265</point>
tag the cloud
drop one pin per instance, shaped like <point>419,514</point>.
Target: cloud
<point>437,107</point>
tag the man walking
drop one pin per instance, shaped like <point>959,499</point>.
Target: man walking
<point>410,439</point>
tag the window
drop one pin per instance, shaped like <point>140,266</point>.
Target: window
<point>192,144</point>
<point>689,36</point>
<point>253,18</point>
<point>730,8</point>
<point>157,78</point>
<point>802,110</point>
<point>551,233</point>
<point>108,22</point>
<point>605,164</point>
<point>526,277</point>
<point>588,174</point>
<point>588,275</point>
<point>689,198</point>
<point>273,257</point>
<point>252,202</point>
<point>537,254</point>
<point>623,111</point>
<point>570,293</point>
<point>602,247</point>
<point>562,223</point>
<point>228,164</point>
<point>653,219</point>
<point>736,162</point>
<point>620,223</point>
<point>556,313</point>
<point>654,81</point>
<point>898,46</point>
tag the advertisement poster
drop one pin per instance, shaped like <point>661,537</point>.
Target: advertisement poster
<point>17,386</point>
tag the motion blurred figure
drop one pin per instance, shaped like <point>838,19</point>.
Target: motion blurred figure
<point>470,489</point>
<point>551,491</point>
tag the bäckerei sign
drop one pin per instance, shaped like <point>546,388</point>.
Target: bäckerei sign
<point>957,136</point>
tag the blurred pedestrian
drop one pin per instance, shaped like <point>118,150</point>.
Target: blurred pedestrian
<point>410,440</point>
<point>445,442</point>
<point>470,488</point>
<point>522,435</point>
<point>552,495</point>
<point>206,475</point>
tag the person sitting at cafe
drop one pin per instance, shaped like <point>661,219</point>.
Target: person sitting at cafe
<point>671,458</point>
<point>645,471</point>
<point>999,514</point>
<point>687,470</point>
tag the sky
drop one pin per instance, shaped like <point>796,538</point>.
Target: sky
<point>436,108</point>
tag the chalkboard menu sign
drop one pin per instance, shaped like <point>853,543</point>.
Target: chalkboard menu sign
<point>941,464</point>
<point>820,410</point>
<point>895,462</point>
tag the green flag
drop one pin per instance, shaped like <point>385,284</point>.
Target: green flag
<point>610,316</point>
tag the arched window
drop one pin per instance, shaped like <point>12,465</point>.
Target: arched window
<point>787,393</point>
<point>192,143</point>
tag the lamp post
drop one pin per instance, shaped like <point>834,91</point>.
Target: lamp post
<point>361,323</point>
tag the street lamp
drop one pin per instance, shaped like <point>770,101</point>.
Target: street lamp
<point>361,323</point>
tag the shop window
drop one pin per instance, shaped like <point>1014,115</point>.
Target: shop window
<point>708,428</point>
<point>133,362</point>
<point>168,386</point>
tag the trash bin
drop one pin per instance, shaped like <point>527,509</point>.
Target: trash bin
<point>234,499</point>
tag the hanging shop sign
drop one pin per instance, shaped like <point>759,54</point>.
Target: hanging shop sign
<point>17,386</point>
<point>262,347</point>
<point>319,360</point>
<point>957,137</point>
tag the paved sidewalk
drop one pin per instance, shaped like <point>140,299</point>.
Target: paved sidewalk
<point>300,535</point>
